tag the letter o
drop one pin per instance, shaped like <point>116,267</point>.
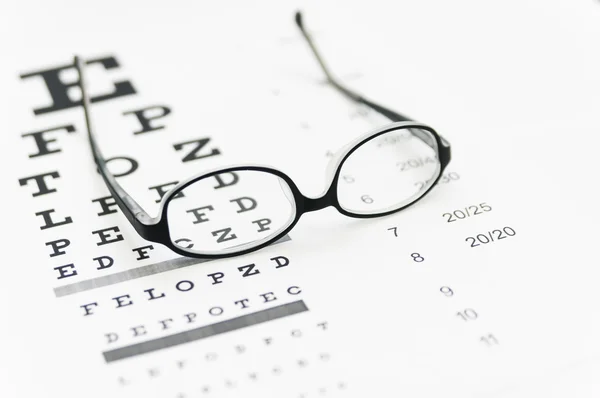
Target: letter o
<point>216,311</point>
<point>133,165</point>
<point>190,286</point>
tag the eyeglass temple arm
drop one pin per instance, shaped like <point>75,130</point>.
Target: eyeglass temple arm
<point>136,215</point>
<point>393,116</point>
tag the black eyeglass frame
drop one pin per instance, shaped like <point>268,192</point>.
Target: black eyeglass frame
<point>156,229</point>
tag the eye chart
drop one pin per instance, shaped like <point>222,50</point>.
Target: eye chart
<point>486,287</point>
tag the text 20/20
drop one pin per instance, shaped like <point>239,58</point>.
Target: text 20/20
<point>490,236</point>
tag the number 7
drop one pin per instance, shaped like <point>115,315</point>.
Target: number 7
<point>395,231</point>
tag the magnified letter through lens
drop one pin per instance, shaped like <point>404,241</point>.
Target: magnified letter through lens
<point>212,219</point>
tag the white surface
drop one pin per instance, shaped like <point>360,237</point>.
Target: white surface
<point>514,86</point>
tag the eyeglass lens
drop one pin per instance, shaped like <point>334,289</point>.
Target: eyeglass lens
<point>230,212</point>
<point>388,171</point>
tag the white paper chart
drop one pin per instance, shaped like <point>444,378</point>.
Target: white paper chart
<point>488,287</point>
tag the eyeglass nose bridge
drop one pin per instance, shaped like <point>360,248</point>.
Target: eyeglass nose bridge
<point>313,204</point>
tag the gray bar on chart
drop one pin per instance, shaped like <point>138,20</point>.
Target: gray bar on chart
<point>203,332</point>
<point>134,273</point>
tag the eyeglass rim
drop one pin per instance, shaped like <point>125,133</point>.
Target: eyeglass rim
<point>304,204</point>
<point>442,151</point>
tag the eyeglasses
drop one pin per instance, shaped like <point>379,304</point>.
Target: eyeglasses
<point>237,210</point>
